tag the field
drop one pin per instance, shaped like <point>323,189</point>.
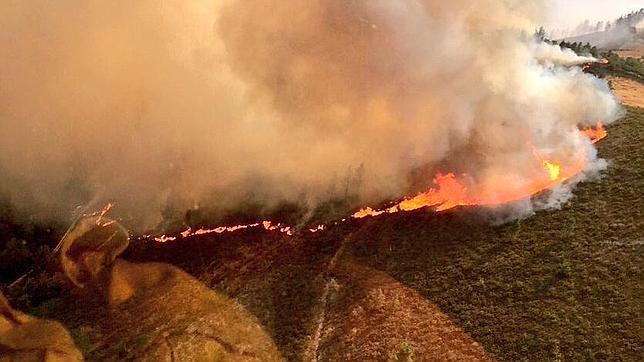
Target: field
<point>628,91</point>
<point>561,285</point>
<point>633,52</point>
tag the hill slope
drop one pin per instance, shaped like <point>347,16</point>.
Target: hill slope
<point>618,38</point>
<point>563,284</point>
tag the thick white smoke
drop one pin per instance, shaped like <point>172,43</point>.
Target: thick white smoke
<point>150,102</point>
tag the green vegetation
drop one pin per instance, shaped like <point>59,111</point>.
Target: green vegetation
<point>628,67</point>
<point>563,284</point>
<point>82,340</point>
<point>579,48</point>
<point>406,353</point>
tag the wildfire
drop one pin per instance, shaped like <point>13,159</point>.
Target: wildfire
<point>449,191</point>
<point>317,228</point>
<point>554,170</point>
<point>101,213</point>
<point>266,225</point>
<point>602,61</point>
<point>597,133</point>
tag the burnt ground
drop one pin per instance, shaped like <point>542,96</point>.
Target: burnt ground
<point>562,284</point>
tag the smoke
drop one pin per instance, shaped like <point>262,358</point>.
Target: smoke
<point>153,103</point>
<point>551,55</point>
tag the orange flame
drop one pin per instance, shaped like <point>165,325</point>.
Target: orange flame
<point>102,212</point>
<point>448,192</point>
<point>587,66</point>
<point>597,133</point>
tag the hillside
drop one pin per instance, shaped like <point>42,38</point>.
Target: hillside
<point>618,38</point>
<point>627,32</point>
<point>563,284</point>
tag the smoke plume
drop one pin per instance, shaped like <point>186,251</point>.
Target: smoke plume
<point>152,103</point>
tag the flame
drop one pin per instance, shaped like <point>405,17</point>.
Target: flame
<point>448,191</point>
<point>597,133</point>
<point>554,170</point>
<point>266,225</point>
<point>317,228</point>
<point>102,212</point>
<point>602,61</point>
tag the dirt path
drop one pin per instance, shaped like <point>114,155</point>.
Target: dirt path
<point>629,92</point>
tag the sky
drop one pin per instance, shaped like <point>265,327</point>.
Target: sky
<point>569,13</point>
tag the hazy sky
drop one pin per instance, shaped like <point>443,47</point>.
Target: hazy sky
<point>569,13</point>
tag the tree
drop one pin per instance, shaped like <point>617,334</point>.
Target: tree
<point>599,26</point>
<point>540,34</point>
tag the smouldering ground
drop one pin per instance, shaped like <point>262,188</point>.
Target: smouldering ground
<point>564,284</point>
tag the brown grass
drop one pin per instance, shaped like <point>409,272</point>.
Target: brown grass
<point>629,92</point>
<point>634,52</point>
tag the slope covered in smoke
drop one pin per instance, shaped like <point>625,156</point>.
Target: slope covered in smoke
<point>618,38</point>
<point>214,101</point>
<point>561,285</point>
<point>625,32</point>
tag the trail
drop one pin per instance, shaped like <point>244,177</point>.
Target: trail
<point>311,352</point>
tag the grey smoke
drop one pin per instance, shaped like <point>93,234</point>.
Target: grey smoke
<point>148,103</point>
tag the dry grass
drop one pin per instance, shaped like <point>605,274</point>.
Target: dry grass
<point>634,52</point>
<point>561,285</point>
<point>629,92</point>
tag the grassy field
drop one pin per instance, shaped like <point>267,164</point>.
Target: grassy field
<point>561,285</point>
<point>564,284</point>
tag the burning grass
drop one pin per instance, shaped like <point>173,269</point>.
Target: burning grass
<point>561,284</point>
<point>449,191</point>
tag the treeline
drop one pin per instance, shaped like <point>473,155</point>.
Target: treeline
<point>629,20</point>
<point>626,67</point>
<point>579,48</point>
